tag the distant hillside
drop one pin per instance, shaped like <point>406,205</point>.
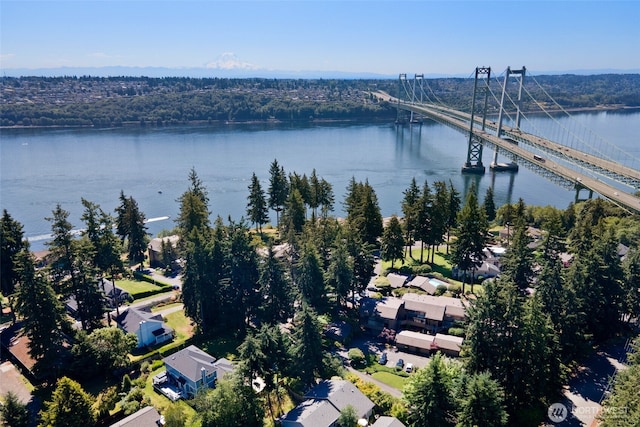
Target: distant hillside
<point>122,101</point>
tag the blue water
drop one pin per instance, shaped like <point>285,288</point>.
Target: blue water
<point>40,168</point>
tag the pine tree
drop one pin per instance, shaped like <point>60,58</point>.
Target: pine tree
<point>517,263</point>
<point>276,291</point>
<point>410,210</point>
<point>340,273</point>
<point>439,216</point>
<point>70,406</point>
<point>468,249</point>
<point>392,241</point>
<point>42,314</point>
<point>307,344</point>
<point>11,243</point>
<point>278,191</point>
<point>489,205</point>
<point>428,393</point>
<point>310,278</point>
<point>425,217</point>
<point>257,204</point>
<point>482,403</point>
<point>454,208</point>
<point>13,412</point>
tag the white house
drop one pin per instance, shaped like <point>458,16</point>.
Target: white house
<point>148,327</point>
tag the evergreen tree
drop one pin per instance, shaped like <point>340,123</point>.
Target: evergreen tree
<point>454,208</point>
<point>363,211</point>
<point>489,205</point>
<point>410,210</point>
<point>622,406</point>
<point>517,264</point>
<point>326,197</point>
<point>468,249</point>
<point>276,290</point>
<point>42,314</point>
<point>257,205</point>
<point>439,216</point>
<point>392,247</point>
<point>62,248</point>
<point>242,291</point>
<point>340,273</point>
<point>425,217</point>
<point>294,215</point>
<point>310,278</point>
<point>482,403</point>
<point>70,406</point>
<point>130,226</point>
<point>13,412</point>
<point>428,393</point>
<point>11,243</point>
<point>363,261</point>
<point>307,344</point>
<point>232,403</point>
<point>631,290</point>
<point>348,416</point>
<point>278,191</point>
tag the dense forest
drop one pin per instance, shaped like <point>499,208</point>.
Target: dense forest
<point>270,291</point>
<point>144,101</point>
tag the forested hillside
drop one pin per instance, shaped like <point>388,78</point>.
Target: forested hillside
<point>143,101</point>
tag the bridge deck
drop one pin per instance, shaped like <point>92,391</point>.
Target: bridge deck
<point>460,121</point>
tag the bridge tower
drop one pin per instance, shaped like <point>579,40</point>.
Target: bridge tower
<point>418,82</point>
<point>474,150</point>
<point>402,82</point>
<point>508,166</point>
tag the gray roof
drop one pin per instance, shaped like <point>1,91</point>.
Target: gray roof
<point>388,422</point>
<point>110,289</point>
<point>156,243</point>
<point>325,401</point>
<point>312,413</point>
<point>190,361</point>
<point>341,393</point>
<point>130,319</point>
<point>396,280</point>
<point>145,417</point>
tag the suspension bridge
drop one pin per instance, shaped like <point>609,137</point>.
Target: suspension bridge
<point>583,163</point>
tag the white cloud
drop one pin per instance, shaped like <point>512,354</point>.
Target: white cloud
<point>229,61</point>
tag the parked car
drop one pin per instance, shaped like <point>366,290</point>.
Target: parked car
<point>383,359</point>
<point>400,363</point>
<point>409,367</point>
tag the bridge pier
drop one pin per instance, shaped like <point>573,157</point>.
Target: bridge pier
<point>579,189</point>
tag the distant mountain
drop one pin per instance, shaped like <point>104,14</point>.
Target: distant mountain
<point>203,72</point>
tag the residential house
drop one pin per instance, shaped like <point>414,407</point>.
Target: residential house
<point>191,369</point>
<point>148,327</point>
<point>155,247</point>
<point>431,313</point>
<point>423,283</point>
<point>417,342</point>
<point>396,280</point>
<point>388,422</point>
<point>113,294</point>
<point>383,313</point>
<point>145,417</point>
<point>324,402</point>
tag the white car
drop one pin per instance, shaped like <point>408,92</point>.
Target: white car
<point>409,367</point>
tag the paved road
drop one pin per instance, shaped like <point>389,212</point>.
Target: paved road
<point>585,391</point>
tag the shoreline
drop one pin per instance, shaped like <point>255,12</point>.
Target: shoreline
<point>130,125</point>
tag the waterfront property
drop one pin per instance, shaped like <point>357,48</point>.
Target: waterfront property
<point>161,248</point>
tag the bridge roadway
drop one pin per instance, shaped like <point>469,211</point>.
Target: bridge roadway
<point>460,122</point>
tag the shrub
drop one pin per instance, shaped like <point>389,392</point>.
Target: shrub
<point>356,356</point>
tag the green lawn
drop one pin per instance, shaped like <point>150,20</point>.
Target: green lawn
<point>390,379</point>
<point>136,286</point>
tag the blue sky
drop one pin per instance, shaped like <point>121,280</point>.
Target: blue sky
<point>386,37</point>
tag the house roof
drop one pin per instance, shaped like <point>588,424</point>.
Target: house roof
<point>341,393</point>
<point>423,283</point>
<point>190,361</point>
<point>156,244</point>
<point>396,280</point>
<point>130,319</point>
<point>449,342</point>
<point>434,307</point>
<point>387,308</point>
<point>111,290</point>
<point>415,339</point>
<point>312,413</point>
<point>145,417</point>
<point>388,422</point>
